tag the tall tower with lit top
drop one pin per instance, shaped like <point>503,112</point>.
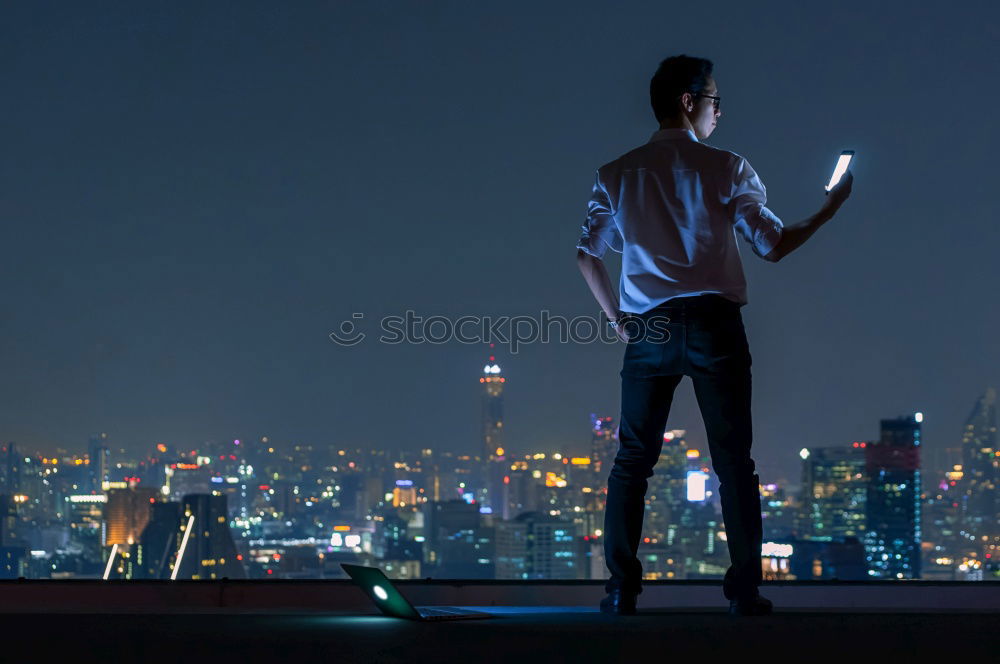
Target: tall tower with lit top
<point>493,384</point>
<point>494,455</point>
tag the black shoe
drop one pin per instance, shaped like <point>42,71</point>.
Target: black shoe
<point>619,603</point>
<point>756,606</point>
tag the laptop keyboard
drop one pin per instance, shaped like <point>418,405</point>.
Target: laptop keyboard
<point>428,611</point>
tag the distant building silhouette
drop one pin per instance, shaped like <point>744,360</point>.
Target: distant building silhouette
<point>84,515</point>
<point>536,545</point>
<point>12,468</point>
<point>603,445</point>
<point>980,498</point>
<point>840,558</point>
<point>460,546</point>
<point>98,462</point>
<point>14,554</point>
<point>126,514</point>
<point>834,492</point>
<point>892,541</point>
<point>158,542</point>
<point>210,552</point>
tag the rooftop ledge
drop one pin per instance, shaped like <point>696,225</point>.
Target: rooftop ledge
<point>342,596</point>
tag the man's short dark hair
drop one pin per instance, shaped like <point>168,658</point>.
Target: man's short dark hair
<point>675,76</point>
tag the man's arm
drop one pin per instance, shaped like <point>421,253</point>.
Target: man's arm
<point>794,236</point>
<point>596,274</point>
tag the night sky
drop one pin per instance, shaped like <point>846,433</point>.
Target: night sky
<point>194,195</point>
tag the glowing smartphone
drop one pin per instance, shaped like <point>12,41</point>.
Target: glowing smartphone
<point>838,172</point>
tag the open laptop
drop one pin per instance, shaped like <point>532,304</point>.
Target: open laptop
<point>392,603</point>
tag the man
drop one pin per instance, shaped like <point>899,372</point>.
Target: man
<point>672,208</point>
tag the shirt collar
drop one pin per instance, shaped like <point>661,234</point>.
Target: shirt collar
<point>673,134</point>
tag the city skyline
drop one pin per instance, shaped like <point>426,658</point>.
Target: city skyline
<point>865,495</point>
<point>940,459</point>
<point>250,509</point>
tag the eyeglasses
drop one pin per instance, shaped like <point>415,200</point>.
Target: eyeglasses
<point>716,101</point>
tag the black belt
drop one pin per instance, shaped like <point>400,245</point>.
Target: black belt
<point>705,301</point>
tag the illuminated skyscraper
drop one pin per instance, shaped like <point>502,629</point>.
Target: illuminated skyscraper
<point>458,544</point>
<point>126,514</point>
<point>536,545</point>
<point>892,464</point>
<point>834,492</point>
<point>208,550</point>
<point>777,510</point>
<point>84,516</point>
<point>494,457</point>
<point>98,455</point>
<point>603,444</point>
<point>680,530</point>
<point>944,541</point>
<point>493,384</point>
<point>159,541</point>
<point>979,499</point>
<point>666,496</point>
<point>522,490</point>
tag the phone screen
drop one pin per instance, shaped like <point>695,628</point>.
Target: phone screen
<point>841,168</point>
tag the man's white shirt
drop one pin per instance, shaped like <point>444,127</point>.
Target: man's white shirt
<point>672,208</point>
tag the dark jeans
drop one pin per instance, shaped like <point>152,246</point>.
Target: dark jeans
<point>702,337</point>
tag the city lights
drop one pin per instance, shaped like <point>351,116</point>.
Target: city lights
<point>261,508</point>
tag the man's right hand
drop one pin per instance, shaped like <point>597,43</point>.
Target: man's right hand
<point>795,235</point>
<point>836,196</point>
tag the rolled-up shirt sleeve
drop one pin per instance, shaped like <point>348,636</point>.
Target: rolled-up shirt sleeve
<point>751,218</point>
<point>599,229</point>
